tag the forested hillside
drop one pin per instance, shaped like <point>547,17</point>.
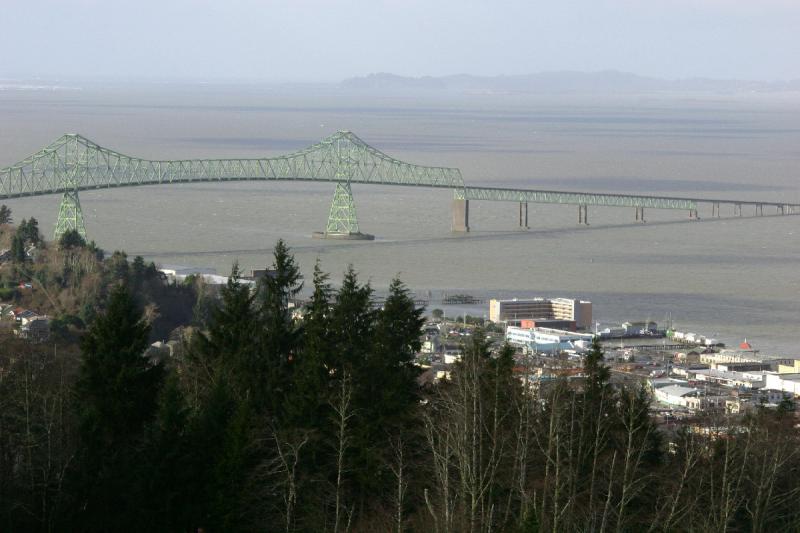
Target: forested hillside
<point>271,420</point>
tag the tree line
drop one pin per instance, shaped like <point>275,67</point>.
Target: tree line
<point>267,420</point>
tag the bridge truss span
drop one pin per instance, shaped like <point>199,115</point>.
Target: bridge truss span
<point>76,163</point>
<point>73,163</point>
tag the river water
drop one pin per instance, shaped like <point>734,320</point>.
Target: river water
<point>728,278</point>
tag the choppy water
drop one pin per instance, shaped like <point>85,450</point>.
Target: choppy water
<point>730,278</point>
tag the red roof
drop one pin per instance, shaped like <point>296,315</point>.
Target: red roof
<point>745,346</point>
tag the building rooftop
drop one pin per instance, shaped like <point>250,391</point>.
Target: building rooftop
<point>677,390</point>
<point>726,374</point>
<point>787,377</point>
<point>658,383</point>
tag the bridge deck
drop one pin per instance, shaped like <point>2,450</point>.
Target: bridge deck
<point>539,196</point>
<point>73,163</point>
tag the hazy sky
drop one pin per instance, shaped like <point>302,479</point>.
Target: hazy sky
<point>320,40</point>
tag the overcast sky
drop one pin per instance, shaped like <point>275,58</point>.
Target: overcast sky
<point>321,40</point>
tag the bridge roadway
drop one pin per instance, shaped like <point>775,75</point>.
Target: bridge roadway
<point>73,163</point>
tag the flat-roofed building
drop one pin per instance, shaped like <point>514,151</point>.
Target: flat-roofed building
<point>548,340</point>
<point>579,311</point>
<point>675,394</point>
<point>784,382</point>
<point>792,368</point>
<point>741,380</point>
<point>530,323</point>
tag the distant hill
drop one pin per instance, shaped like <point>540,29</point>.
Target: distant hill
<point>606,81</point>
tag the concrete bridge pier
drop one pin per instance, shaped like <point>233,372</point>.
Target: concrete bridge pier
<point>583,214</point>
<point>693,214</point>
<point>640,214</point>
<point>737,210</point>
<point>460,216</point>
<point>715,210</point>
<point>523,215</point>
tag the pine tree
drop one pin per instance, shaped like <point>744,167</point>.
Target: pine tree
<point>5,214</point>
<point>226,351</point>
<point>353,322</point>
<point>32,232</point>
<point>138,270</point>
<point>18,254</point>
<point>595,420</point>
<point>221,361</point>
<point>116,397</point>
<point>168,470</point>
<point>218,459</point>
<point>118,266</point>
<point>597,374</point>
<point>279,336</point>
<point>71,239</point>
<point>310,374</point>
<point>393,387</point>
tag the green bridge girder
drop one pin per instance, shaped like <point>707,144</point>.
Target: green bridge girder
<point>73,162</point>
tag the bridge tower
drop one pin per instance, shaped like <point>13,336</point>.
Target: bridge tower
<point>74,158</point>
<point>70,216</point>
<point>342,219</point>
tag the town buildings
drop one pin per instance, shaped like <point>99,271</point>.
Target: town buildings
<point>578,311</point>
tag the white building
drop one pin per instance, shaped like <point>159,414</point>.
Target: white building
<point>730,356</point>
<point>659,383</point>
<point>173,271</point>
<point>548,340</point>
<point>675,394</point>
<point>784,382</point>
<point>745,380</point>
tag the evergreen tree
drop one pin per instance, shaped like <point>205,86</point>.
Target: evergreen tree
<point>18,254</point>
<point>225,352</point>
<point>596,420</point>
<point>352,321</point>
<point>116,397</point>
<point>32,234</point>
<point>5,214</point>
<point>393,386</point>
<point>221,368</point>
<point>71,239</point>
<point>138,271</point>
<point>168,471</point>
<point>230,473</point>
<point>118,267</point>
<point>219,459</point>
<point>279,335</point>
<point>310,374</point>
<point>597,374</point>
<point>353,324</point>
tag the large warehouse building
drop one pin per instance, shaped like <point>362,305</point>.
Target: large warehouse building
<point>579,311</point>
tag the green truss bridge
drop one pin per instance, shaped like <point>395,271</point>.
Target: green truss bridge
<point>74,163</point>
